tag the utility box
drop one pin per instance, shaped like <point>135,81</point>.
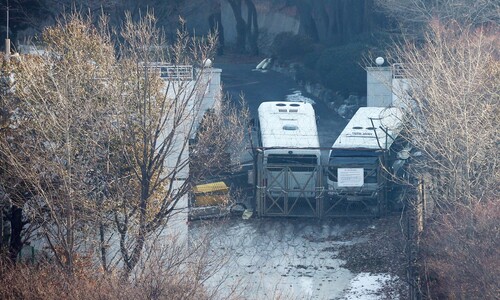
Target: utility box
<point>211,194</point>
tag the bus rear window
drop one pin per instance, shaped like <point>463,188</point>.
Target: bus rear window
<point>289,159</point>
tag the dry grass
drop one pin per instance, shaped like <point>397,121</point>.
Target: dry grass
<point>47,281</point>
<point>461,253</point>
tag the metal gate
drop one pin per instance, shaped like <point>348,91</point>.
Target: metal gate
<point>354,205</point>
<point>283,191</point>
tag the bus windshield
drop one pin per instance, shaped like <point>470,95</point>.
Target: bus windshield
<point>369,164</point>
<point>353,161</point>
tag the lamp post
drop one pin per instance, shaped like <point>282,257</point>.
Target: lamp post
<point>7,40</point>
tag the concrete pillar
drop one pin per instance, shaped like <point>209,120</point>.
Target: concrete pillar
<point>7,50</point>
<point>379,86</point>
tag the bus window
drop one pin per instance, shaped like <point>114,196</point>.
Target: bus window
<point>295,162</point>
<point>291,159</point>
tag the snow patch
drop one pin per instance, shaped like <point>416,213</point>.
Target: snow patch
<point>298,97</point>
<point>366,286</point>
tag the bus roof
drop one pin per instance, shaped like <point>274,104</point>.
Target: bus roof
<point>288,124</point>
<point>371,128</point>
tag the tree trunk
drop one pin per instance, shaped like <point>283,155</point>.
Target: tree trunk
<point>252,28</point>
<point>215,23</point>
<point>307,23</point>
<point>367,15</point>
<point>348,18</point>
<point>16,225</point>
<point>132,259</point>
<point>102,246</point>
<point>241,26</point>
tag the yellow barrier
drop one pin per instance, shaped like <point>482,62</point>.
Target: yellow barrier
<point>215,193</point>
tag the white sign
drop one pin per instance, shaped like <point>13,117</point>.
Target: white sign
<point>350,177</point>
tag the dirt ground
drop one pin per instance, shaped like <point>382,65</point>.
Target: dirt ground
<point>314,259</point>
<point>380,248</point>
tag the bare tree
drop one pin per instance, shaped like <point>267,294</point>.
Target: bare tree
<point>452,109</point>
<point>247,28</point>
<point>416,14</point>
<point>60,105</point>
<point>105,131</point>
<point>159,119</point>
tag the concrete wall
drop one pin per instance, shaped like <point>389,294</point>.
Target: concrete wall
<point>379,86</point>
<point>207,96</point>
<point>400,92</point>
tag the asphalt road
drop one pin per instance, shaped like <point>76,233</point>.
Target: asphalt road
<point>241,80</point>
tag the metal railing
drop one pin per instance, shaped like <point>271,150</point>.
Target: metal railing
<point>399,71</point>
<point>174,72</point>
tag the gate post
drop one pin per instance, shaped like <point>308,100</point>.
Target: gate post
<point>320,191</point>
<point>382,182</point>
<point>260,192</point>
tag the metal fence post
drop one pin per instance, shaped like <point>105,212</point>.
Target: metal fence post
<point>260,191</point>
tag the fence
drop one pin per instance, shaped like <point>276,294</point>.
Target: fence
<point>301,191</point>
<point>174,72</point>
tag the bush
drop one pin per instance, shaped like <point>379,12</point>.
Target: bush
<point>461,253</point>
<point>51,282</point>
<point>287,45</point>
<point>340,69</point>
<point>305,74</point>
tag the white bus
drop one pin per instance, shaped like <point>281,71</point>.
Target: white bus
<point>364,150</point>
<point>288,137</point>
